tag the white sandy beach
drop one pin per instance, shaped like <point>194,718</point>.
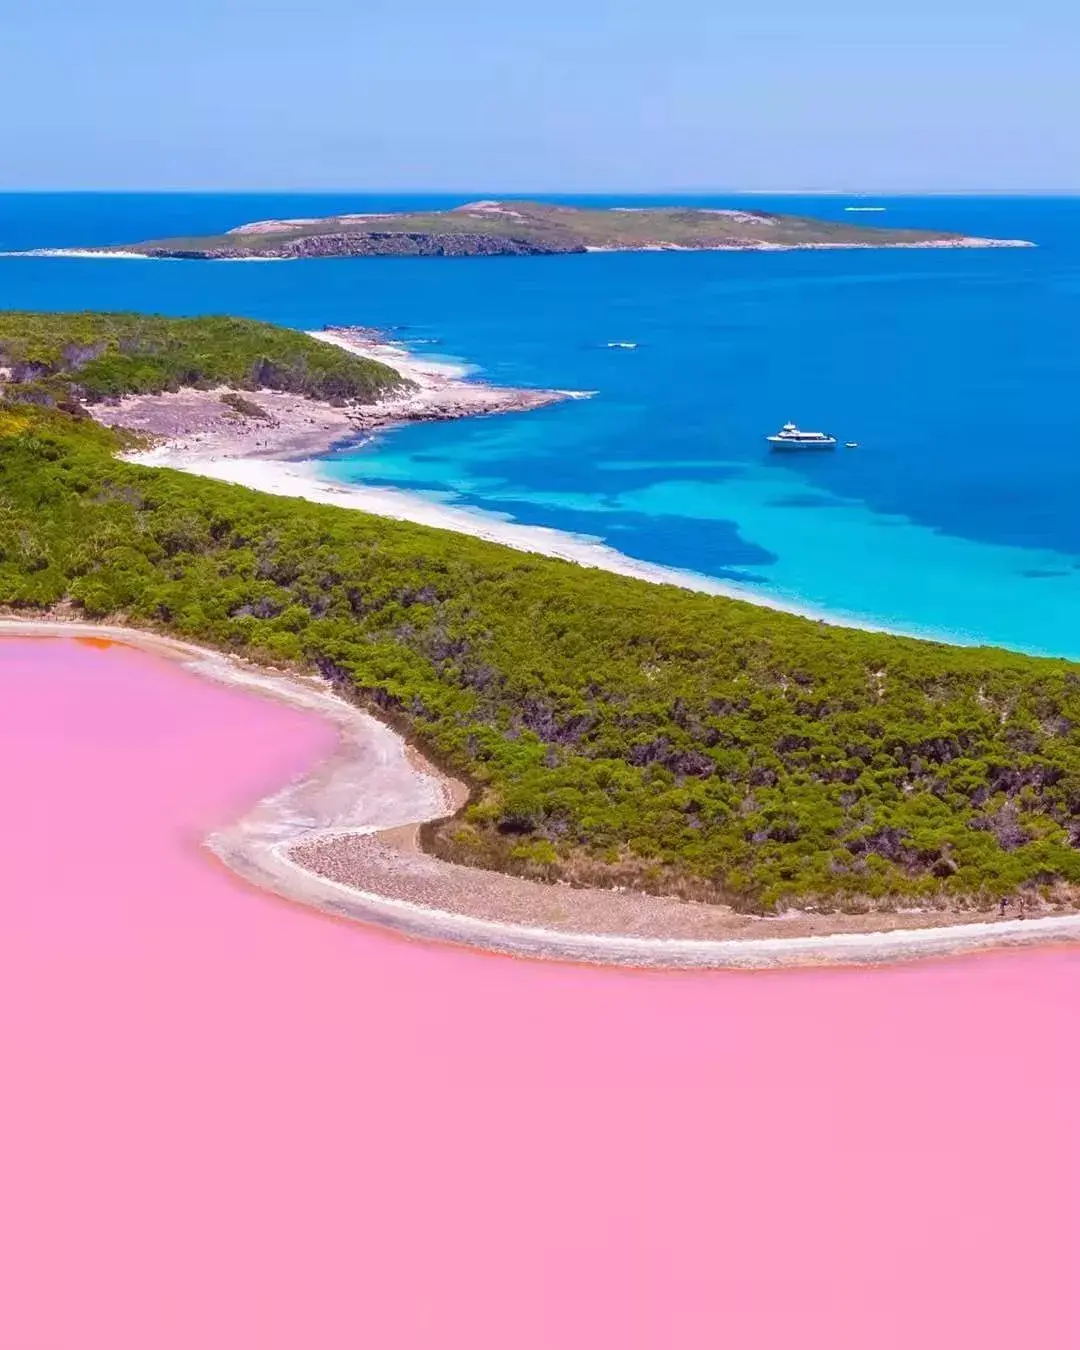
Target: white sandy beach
<point>193,431</point>
<point>74,253</point>
<point>304,480</point>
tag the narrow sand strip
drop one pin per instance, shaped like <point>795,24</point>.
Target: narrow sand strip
<point>74,253</point>
<point>374,782</point>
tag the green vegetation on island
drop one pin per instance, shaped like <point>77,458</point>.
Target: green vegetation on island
<point>67,359</point>
<point>611,729</point>
<point>521,227</point>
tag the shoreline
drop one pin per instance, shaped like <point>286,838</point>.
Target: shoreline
<point>755,246</point>
<point>373,787</point>
<point>763,246</point>
<point>76,253</point>
<point>301,479</point>
<point>190,428</point>
<point>284,459</point>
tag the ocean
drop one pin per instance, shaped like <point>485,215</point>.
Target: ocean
<point>954,370</point>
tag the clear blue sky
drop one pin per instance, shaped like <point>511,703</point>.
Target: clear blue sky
<point>574,95</point>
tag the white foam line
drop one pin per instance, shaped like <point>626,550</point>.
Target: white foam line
<point>79,253</point>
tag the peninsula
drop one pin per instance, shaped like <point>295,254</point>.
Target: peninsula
<point>489,228</point>
<point>641,759</point>
<point>234,386</point>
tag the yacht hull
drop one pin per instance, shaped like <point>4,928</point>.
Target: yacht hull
<point>802,443</point>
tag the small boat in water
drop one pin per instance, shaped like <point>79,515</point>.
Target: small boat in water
<point>789,437</point>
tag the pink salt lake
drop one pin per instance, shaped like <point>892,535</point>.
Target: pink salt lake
<point>228,1122</point>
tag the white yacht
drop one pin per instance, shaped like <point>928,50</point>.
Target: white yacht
<point>789,437</point>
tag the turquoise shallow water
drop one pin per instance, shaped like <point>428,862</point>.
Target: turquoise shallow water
<point>954,370</point>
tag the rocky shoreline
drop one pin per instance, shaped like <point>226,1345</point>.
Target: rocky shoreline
<point>374,245</point>
<point>200,425</point>
<point>434,393</point>
<point>421,245</point>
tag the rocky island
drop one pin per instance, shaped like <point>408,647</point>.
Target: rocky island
<point>488,228</point>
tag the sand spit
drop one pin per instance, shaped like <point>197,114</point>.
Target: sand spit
<point>74,253</point>
<point>342,839</point>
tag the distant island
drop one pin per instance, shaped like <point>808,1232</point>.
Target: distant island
<point>493,228</point>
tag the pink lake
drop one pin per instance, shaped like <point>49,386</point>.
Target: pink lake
<point>228,1122</point>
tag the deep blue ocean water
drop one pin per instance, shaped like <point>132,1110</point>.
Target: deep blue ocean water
<point>956,371</point>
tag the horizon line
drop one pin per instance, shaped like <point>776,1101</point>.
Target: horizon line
<point>539,192</point>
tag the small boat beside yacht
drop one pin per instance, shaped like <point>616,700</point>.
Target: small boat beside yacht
<point>790,437</point>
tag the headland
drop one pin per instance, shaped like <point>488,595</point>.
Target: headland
<point>684,765</point>
<point>201,429</point>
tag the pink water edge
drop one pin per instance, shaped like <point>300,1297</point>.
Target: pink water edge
<point>228,1122</point>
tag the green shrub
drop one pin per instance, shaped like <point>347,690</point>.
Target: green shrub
<point>57,359</point>
<point>609,727</point>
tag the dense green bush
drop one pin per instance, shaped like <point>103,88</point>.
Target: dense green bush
<point>64,358</point>
<point>609,727</point>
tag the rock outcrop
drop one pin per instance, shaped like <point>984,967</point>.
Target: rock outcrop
<point>353,244</point>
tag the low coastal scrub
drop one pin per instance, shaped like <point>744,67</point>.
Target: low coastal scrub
<point>610,729</point>
<point>63,360</point>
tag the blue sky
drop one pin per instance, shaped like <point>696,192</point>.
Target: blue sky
<point>571,95</point>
